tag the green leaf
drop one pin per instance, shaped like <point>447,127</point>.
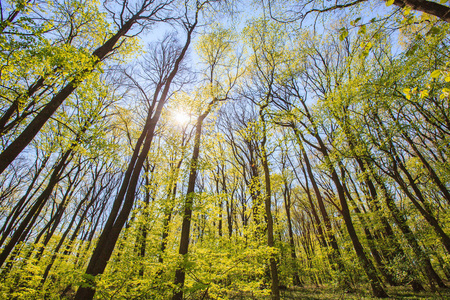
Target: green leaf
<point>389,2</point>
<point>88,282</point>
<point>424,94</point>
<point>407,93</point>
<point>355,21</point>
<point>344,34</point>
<point>434,30</point>
<point>435,74</point>
<point>362,30</point>
<point>365,53</point>
<point>411,50</point>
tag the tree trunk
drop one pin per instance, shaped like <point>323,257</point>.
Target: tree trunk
<point>180,273</point>
<point>38,205</point>
<point>268,203</point>
<point>287,206</point>
<point>429,7</point>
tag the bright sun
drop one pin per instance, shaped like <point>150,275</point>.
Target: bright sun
<point>181,118</point>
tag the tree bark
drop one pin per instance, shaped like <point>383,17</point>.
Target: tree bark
<point>429,7</point>
<point>39,203</point>
<point>180,273</point>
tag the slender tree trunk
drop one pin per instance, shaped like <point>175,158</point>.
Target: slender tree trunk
<point>14,107</point>
<point>424,210</point>
<point>369,268</point>
<point>53,224</point>
<point>13,217</point>
<point>170,202</point>
<point>228,204</point>
<point>268,203</point>
<point>60,243</point>
<point>370,238</point>
<point>37,207</point>
<point>141,240</point>
<point>430,169</point>
<point>287,206</point>
<point>335,256</point>
<point>366,263</point>
<point>180,273</point>
<point>400,220</point>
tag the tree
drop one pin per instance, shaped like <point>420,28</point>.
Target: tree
<point>123,203</point>
<point>147,12</point>
<point>318,7</point>
<point>214,48</point>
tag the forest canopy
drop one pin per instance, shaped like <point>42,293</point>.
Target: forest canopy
<point>210,149</point>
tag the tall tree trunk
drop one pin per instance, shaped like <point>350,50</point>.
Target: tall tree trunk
<point>141,240</point>
<point>13,217</point>
<point>38,205</point>
<point>170,199</point>
<point>287,206</point>
<point>400,220</point>
<point>369,236</point>
<point>335,256</point>
<point>268,203</point>
<point>366,263</point>
<point>180,272</point>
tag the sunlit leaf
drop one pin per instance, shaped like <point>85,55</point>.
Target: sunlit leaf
<point>344,34</point>
<point>389,2</point>
<point>435,74</point>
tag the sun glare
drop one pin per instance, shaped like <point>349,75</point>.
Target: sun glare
<point>181,118</point>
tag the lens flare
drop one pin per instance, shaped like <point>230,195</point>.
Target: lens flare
<point>181,118</point>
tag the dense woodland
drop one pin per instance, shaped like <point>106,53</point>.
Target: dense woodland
<point>211,149</point>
